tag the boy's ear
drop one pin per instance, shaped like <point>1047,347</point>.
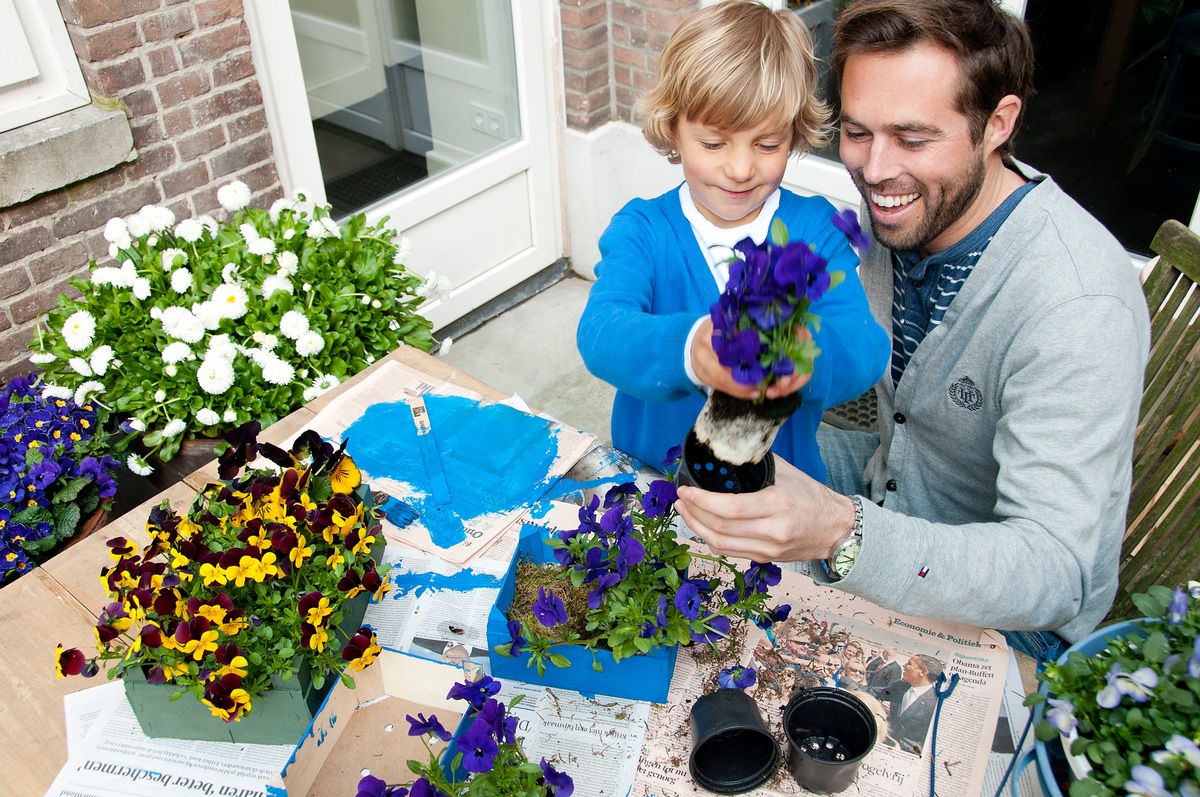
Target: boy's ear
<point>1000,124</point>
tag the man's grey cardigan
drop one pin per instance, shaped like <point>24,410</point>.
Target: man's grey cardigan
<point>1005,462</point>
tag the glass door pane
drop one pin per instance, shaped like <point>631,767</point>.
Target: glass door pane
<point>400,90</point>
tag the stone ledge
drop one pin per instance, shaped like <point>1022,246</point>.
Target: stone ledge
<point>64,149</point>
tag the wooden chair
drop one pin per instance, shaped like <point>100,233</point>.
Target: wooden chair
<point>1162,534</point>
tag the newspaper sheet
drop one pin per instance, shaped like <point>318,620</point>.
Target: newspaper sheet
<point>456,473</point>
<point>113,758</point>
<point>1008,743</point>
<point>832,639</point>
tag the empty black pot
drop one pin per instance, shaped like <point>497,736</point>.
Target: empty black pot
<point>699,467</point>
<point>829,732</point>
<point>732,750</point>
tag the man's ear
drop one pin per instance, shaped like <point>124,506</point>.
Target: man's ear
<point>1002,122</point>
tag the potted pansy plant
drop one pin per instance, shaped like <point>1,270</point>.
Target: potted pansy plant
<point>196,326</point>
<point>620,592</point>
<point>57,481</point>
<point>252,598</point>
<point>1123,703</point>
<point>759,322</point>
<point>487,758</point>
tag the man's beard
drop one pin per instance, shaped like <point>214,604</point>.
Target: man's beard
<point>954,201</point>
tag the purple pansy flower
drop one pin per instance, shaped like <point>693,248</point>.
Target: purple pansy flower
<point>739,353</point>
<point>1146,781</point>
<point>717,628</point>
<point>776,615</point>
<point>658,498</point>
<point>847,222</point>
<point>603,584</point>
<point>549,609</point>
<point>516,640</point>
<point>687,600</point>
<point>1178,607</point>
<point>477,693</point>
<point>674,453</point>
<point>737,677</point>
<point>1061,715</point>
<point>421,726</point>
<point>478,748</point>
<point>560,783</point>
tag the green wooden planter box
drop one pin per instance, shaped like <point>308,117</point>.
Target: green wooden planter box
<point>280,715</point>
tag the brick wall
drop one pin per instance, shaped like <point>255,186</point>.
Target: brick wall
<point>610,54</point>
<point>184,73</point>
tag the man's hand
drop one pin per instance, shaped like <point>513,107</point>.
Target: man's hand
<point>797,519</point>
<point>708,369</point>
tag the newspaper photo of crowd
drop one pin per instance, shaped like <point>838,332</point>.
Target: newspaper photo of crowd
<point>897,685</point>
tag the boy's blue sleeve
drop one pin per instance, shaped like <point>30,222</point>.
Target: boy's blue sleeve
<point>636,321</point>
<point>854,349</point>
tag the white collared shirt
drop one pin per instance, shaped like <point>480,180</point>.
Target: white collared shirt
<point>911,696</point>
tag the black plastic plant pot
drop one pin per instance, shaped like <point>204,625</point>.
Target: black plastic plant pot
<point>732,749</point>
<point>829,732</point>
<point>699,467</point>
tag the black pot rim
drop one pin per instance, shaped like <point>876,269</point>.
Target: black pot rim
<point>842,697</point>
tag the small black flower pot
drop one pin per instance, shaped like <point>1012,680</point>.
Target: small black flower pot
<point>699,467</point>
<point>732,749</point>
<point>829,732</point>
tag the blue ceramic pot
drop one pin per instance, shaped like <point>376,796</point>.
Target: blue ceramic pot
<point>1042,752</point>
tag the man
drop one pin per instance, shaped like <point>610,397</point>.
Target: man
<point>996,489</point>
<point>912,701</point>
<point>886,673</point>
<point>877,659</point>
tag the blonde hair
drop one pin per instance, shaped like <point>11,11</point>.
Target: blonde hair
<point>733,66</point>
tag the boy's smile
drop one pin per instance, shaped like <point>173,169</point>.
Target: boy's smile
<point>731,173</point>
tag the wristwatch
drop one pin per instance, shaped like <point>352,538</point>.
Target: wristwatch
<point>845,553</point>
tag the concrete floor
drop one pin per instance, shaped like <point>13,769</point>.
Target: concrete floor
<point>529,350</point>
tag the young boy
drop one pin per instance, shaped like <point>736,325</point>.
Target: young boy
<point>733,102</point>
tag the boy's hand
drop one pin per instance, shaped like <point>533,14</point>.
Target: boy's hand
<point>709,370</point>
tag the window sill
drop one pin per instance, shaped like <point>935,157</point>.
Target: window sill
<point>64,149</point>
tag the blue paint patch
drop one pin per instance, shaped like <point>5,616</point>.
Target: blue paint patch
<point>496,458</point>
<point>419,583</point>
<point>401,513</point>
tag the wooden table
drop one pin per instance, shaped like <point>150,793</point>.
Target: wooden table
<point>60,601</point>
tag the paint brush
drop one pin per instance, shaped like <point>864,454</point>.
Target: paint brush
<point>434,470</point>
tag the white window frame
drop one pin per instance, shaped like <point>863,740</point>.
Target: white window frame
<point>34,42</point>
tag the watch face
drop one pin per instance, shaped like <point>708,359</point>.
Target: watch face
<point>844,559</point>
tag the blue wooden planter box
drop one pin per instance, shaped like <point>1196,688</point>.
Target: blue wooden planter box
<point>642,677</point>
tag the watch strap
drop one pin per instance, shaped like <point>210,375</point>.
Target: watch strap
<point>855,536</point>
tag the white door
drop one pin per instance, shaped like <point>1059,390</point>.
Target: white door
<point>826,175</point>
<point>449,100</point>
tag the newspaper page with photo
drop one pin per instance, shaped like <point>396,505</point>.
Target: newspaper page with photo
<point>456,468</point>
<point>835,639</point>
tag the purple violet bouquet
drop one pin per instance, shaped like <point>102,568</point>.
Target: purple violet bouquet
<point>489,751</point>
<point>641,595</point>
<point>54,472</point>
<point>756,324</point>
<point>766,302</point>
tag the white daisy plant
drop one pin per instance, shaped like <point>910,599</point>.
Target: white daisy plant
<point>197,325</point>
